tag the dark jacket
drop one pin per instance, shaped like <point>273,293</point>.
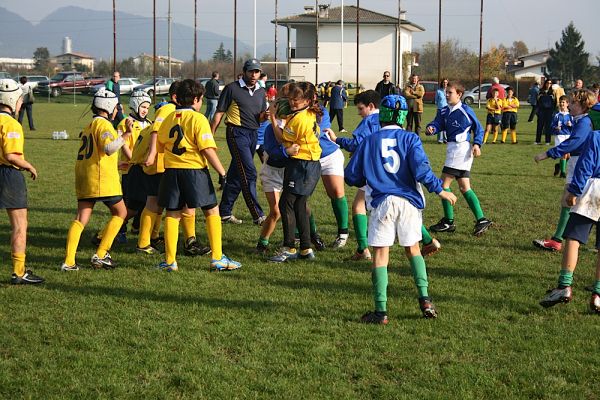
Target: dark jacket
<point>339,97</point>
<point>212,89</point>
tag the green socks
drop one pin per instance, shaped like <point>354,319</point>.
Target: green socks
<point>563,166</point>
<point>473,202</point>
<point>426,236</point>
<point>562,223</point>
<point>419,272</point>
<point>597,287</point>
<point>313,225</point>
<point>379,277</point>
<point>565,278</point>
<point>263,241</point>
<point>340,209</point>
<point>448,209</point>
<point>360,222</point>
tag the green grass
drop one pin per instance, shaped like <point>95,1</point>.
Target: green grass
<point>290,331</point>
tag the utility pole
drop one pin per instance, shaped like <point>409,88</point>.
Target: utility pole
<point>195,37</point>
<point>399,40</point>
<point>439,79</point>
<point>254,53</point>
<point>275,43</point>
<point>317,43</point>
<point>342,44</point>
<point>169,38</point>
<point>357,43</point>
<point>114,36</point>
<point>234,39</point>
<point>154,50</point>
<point>480,50</point>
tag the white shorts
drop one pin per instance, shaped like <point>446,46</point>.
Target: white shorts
<point>589,201</point>
<point>558,139</point>
<point>333,164</point>
<point>571,168</point>
<point>459,156</point>
<point>271,178</point>
<point>395,216</point>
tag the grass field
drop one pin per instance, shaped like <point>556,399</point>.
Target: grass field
<point>290,331</point>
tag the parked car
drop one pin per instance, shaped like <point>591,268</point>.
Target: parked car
<point>33,80</point>
<point>67,82</point>
<point>126,85</point>
<point>471,96</point>
<point>5,75</point>
<point>204,80</point>
<point>431,88</point>
<point>162,85</point>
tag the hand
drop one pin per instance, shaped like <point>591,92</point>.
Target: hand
<point>33,172</point>
<point>540,157</point>
<point>476,150</point>
<point>570,199</point>
<point>430,130</point>
<point>293,150</point>
<point>331,134</point>
<point>129,124</point>
<point>123,165</point>
<point>448,196</point>
<point>222,181</point>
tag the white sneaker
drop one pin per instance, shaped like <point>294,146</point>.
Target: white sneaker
<point>339,242</point>
<point>68,268</point>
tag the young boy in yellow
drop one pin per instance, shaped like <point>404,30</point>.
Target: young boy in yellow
<point>97,179</point>
<point>13,191</point>
<point>510,106</point>
<point>189,147</point>
<point>494,109</point>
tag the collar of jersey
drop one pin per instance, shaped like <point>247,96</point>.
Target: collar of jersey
<point>179,108</point>
<point>388,127</point>
<point>455,107</point>
<point>578,117</point>
<point>6,112</point>
<point>100,116</point>
<point>138,118</point>
<point>242,83</point>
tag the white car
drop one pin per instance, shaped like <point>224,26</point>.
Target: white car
<point>32,80</point>
<point>472,96</point>
<point>162,86</point>
<point>126,85</point>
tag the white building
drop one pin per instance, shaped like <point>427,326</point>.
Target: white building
<point>378,50</point>
<point>532,65</point>
<point>17,63</point>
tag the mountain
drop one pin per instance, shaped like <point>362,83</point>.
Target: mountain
<point>91,32</point>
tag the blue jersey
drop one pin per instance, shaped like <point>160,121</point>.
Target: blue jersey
<point>588,164</point>
<point>261,132</point>
<point>327,146</point>
<point>559,121</point>
<point>392,163</point>
<point>440,98</point>
<point>366,127</point>
<point>459,121</point>
<point>277,155</point>
<point>582,128</point>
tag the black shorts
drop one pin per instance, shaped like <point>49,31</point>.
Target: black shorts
<point>186,187</point>
<point>493,119</point>
<point>509,120</point>
<point>457,173</point>
<point>579,228</point>
<point>136,188</point>
<point>152,184</point>
<point>107,200</point>
<point>300,177</point>
<point>13,191</point>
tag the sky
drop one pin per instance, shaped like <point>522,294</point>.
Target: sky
<point>538,23</point>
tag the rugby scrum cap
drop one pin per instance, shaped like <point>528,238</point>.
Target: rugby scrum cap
<point>393,109</point>
<point>105,100</point>
<point>138,98</point>
<point>252,64</point>
<point>10,92</point>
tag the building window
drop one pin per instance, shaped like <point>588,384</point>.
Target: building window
<point>543,69</point>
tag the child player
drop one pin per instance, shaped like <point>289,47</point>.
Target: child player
<point>494,109</point>
<point>189,148</point>
<point>97,179</point>
<point>510,106</point>
<point>392,164</point>
<point>583,196</point>
<point>13,191</point>
<point>561,127</point>
<point>580,102</point>
<point>459,122</point>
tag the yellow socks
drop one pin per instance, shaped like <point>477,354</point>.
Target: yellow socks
<point>189,225</point>
<point>73,237</point>
<point>513,135</point>
<point>171,236</point>
<point>485,137</point>
<point>18,260</point>
<point>495,135</point>
<point>156,225</point>
<point>111,230</point>
<point>146,225</point>
<point>214,230</point>
<point>504,133</point>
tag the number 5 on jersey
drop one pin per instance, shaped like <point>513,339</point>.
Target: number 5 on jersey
<point>387,151</point>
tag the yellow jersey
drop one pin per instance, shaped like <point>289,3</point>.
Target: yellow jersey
<point>130,142</point>
<point>494,106</point>
<point>140,150</point>
<point>12,139</point>
<point>96,173</point>
<point>302,129</point>
<point>507,104</point>
<point>182,136</point>
<point>159,166</point>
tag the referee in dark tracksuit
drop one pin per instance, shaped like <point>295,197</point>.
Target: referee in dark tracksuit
<point>244,104</point>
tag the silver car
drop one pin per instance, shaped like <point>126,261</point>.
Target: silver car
<point>162,85</point>
<point>126,85</point>
<point>472,96</point>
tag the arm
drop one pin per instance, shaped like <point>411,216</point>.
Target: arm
<point>419,91</point>
<point>354,171</point>
<point>421,169</point>
<point>408,93</point>
<point>476,128</point>
<point>21,163</point>
<point>584,168</point>
<point>216,121</point>
<point>438,124</point>
<point>112,147</point>
<point>351,144</point>
<point>225,100</point>
<point>151,157</point>
<point>211,156</point>
<point>574,142</point>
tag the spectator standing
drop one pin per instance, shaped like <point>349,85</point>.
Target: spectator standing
<point>534,91</point>
<point>496,85</point>
<point>271,93</point>
<point>244,105</point>
<point>545,111</point>
<point>338,100</point>
<point>28,100</point>
<point>262,80</point>
<point>385,86</point>
<point>441,102</point>
<point>113,86</point>
<point>414,92</point>
<point>213,92</point>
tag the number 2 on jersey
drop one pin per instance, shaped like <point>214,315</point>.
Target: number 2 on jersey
<point>387,151</point>
<point>87,147</point>
<point>176,149</point>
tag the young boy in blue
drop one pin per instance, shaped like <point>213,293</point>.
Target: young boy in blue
<point>561,127</point>
<point>393,165</point>
<point>583,196</point>
<point>459,122</point>
<point>580,102</point>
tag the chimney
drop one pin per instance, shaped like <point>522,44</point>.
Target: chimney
<point>67,45</point>
<point>309,9</point>
<point>323,10</point>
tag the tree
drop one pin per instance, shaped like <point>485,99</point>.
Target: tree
<point>518,49</point>
<point>41,55</point>
<point>220,55</point>
<point>568,60</point>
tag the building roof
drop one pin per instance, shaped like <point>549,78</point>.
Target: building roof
<point>76,54</point>
<point>160,58</point>
<point>537,53</point>
<point>367,17</point>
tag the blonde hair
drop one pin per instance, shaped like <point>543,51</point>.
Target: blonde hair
<point>585,98</point>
